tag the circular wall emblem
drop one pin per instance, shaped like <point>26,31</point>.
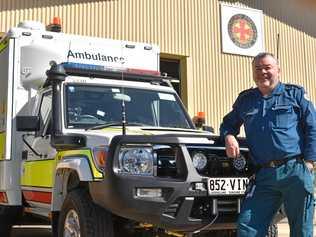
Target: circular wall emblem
<point>242,31</point>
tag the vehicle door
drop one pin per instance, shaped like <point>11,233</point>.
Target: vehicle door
<point>39,159</point>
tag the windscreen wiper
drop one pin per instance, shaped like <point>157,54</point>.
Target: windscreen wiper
<point>106,125</point>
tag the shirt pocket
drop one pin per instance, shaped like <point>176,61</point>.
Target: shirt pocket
<point>282,116</point>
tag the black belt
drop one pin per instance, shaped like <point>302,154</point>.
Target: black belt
<point>277,163</point>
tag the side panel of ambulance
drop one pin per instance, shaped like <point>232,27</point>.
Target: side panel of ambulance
<point>13,98</point>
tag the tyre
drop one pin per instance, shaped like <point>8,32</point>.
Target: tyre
<point>79,216</point>
<point>9,215</point>
<point>5,229</point>
<point>272,231</point>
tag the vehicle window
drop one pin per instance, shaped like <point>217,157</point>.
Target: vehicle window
<point>92,105</point>
<point>45,113</point>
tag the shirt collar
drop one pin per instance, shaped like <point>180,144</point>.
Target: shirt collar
<point>278,90</point>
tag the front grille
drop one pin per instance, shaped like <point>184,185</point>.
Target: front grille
<point>166,161</point>
<point>172,209</point>
<point>218,164</point>
<point>226,207</point>
<point>229,205</point>
<point>170,162</point>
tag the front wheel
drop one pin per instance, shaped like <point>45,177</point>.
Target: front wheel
<point>79,216</point>
<point>9,215</point>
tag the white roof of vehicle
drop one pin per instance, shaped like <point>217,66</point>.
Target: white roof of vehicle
<point>39,48</point>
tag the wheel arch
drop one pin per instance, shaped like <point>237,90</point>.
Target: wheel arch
<point>71,172</point>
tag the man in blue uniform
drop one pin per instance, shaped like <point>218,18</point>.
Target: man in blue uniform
<point>280,128</point>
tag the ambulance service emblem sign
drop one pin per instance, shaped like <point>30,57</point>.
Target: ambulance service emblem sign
<point>241,30</point>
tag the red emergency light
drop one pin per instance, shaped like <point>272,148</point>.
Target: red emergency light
<point>55,26</point>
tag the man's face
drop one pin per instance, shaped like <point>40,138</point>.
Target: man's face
<point>266,74</point>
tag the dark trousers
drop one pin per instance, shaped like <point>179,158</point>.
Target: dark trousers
<point>290,184</point>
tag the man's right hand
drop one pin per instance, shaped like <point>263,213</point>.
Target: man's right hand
<point>232,146</point>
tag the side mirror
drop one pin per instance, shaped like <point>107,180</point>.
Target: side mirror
<point>27,123</point>
<point>68,142</point>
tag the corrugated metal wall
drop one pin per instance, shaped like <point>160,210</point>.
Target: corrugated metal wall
<point>189,29</point>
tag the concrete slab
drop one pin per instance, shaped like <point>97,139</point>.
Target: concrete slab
<point>284,230</point>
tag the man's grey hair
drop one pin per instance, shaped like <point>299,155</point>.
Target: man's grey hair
<point>263,55</point>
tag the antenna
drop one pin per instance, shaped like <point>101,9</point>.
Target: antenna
<point>123,101</point>
<point>123,111</point>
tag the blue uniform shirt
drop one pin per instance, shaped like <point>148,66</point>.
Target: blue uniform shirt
<point>277,126</point>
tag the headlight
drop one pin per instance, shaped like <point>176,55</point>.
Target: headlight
<point>136,160</point>
<point>199,161</point>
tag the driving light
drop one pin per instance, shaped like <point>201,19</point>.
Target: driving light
<point>149,192</point>
<point>136,161</point>
<point>239,163</point>
<point>199,161</point>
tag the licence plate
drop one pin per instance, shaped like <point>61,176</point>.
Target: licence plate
<point>227,186</point>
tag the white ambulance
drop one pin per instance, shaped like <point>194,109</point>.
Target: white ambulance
<point>95,140</point>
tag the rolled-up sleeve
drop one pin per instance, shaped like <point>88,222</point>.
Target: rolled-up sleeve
<point>308,120</point>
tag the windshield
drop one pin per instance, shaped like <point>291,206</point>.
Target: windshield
<point>88,106</point>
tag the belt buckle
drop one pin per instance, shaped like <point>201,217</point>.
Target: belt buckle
<point>272,164</point>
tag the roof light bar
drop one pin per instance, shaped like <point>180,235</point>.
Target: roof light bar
<point>69,65</point>
<point>100,68</point>
<point>134,74</point>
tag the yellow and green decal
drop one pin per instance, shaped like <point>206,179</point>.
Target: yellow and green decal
<point>2,145</point>
<point>3,44</point>
<point>38,173</point>
<point>82,153</point>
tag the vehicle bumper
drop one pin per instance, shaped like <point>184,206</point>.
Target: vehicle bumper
<point>181,207</point>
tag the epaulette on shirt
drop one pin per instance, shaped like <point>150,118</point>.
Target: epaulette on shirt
<point>289,86</point>
<point>296,91</point>
<point>246,92</point>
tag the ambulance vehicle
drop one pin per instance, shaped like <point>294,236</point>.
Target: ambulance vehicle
<point>95,140</point>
